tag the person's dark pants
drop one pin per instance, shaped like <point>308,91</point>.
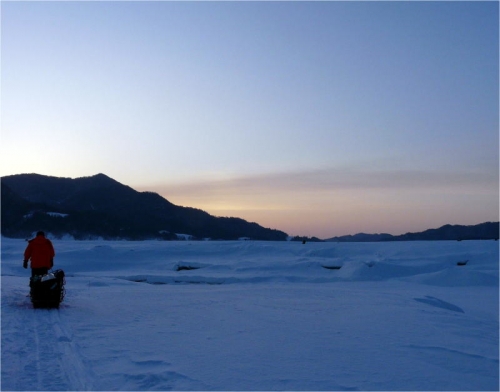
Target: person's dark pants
<point>39,271</point>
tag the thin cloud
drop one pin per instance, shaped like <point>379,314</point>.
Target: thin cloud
<point>331,180</point>
<point>332,201</point>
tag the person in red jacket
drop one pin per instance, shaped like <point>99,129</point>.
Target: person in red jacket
<point>41,252</point>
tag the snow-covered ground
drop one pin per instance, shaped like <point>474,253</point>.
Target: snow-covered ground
<point>256,316</point>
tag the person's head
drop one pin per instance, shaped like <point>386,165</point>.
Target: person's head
<point>40,233</point>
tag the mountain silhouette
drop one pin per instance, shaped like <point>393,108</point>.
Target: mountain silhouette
<point>482,231</point>
<point>99,206</point>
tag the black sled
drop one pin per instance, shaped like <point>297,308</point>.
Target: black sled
<point>47,291</point>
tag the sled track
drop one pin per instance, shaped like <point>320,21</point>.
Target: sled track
<point>49,358</point>
<point>38,370</point>
<point>54,346</point>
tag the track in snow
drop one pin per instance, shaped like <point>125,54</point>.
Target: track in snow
<point>49,358</point>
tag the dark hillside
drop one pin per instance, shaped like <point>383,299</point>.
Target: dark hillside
<point>482,231</point>
<point>100,206</point>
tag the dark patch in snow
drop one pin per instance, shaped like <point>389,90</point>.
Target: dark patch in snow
<point>439,303</point>
<point>198,282</point>
<point>186,268</point>
<point>164,280</point>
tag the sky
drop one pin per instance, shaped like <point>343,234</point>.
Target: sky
<point>315,118</point>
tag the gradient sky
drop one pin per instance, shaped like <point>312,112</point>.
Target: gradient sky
<point>315,118</point>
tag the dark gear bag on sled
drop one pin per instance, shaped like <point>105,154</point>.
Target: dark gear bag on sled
<point>47,291</point>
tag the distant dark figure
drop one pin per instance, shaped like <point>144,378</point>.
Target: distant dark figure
<point>41,253</point>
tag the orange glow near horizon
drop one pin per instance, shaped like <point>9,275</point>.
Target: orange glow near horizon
<point>338,209</point>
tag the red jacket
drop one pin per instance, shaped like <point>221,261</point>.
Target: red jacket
<point>41,252</point>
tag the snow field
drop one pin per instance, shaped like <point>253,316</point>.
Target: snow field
<point>256,316</point>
